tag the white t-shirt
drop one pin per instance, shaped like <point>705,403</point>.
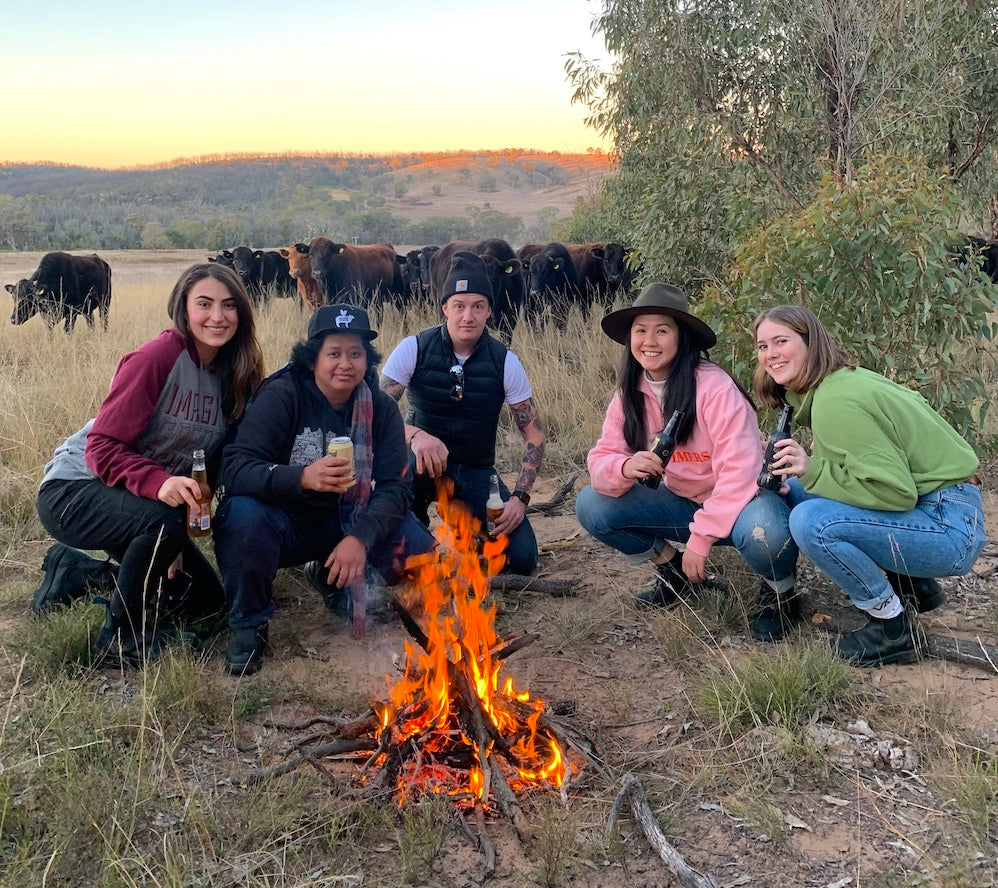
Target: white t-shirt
<point>401,364</point>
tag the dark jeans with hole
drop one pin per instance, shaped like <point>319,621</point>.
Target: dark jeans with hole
<point>143,535</point>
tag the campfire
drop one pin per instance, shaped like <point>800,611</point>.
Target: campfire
<point>454,723</point>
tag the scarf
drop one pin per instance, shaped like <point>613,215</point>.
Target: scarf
<point>354,501</point>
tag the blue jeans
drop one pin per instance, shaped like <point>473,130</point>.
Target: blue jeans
<point>253,539</point>
<point>639,522</point>
<point>471,486</point>
<point>941,537</point>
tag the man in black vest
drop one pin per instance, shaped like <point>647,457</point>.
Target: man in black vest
<point>458,377</point>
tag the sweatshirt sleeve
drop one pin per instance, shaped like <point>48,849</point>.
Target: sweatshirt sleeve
<point>606,459</point>
<point>255,463</point>
<point>392,494</point>
<point>732,431</point>
<point>112,452</point>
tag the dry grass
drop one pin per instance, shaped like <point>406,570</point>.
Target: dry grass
<point>129,781</point>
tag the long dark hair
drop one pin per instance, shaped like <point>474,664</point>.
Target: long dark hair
<point>680,390</point>
<point>239,363</point>
<point>305,353</point>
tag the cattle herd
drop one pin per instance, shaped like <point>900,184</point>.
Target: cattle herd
<point>536,281</point>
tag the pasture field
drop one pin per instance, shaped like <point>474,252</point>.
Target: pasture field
<point>768,765</point>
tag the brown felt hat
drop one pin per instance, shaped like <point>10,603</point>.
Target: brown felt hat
<point>662,299</point>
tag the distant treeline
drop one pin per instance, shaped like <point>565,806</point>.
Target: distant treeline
<point>269,200</point>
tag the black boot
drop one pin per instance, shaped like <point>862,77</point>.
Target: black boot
<point>70,575</point>
<point>776,613</point>
<point>336,599</point>
<point>923,593</point>
<point>125,643</point>
<point>881,642</point>
<point>244,655</point>
<point>671,585</point>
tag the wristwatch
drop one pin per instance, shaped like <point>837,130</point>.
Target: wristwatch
<point>522,496</point>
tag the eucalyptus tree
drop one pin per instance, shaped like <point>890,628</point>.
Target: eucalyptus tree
<point>726,113</point>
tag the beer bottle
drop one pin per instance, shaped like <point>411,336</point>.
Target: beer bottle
<point>768,480</point>
<point>199,518</point>
<point>663,445</point>
<point>493,507</point>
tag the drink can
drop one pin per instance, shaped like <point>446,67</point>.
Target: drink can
<point>343,447</point>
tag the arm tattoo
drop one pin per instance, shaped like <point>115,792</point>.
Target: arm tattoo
<point>529,423</point>
<point>391,387</point>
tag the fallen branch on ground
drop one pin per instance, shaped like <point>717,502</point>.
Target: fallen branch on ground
<point>969,653</point>
<point>520,583</point>
<point>632,791</point>
<point>560,495</point>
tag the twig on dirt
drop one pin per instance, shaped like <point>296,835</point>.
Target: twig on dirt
<point>631,790</point>
<point>334,747</point>
<point>559,497</point>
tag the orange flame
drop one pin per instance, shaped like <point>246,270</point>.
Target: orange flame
<point>452,591</point>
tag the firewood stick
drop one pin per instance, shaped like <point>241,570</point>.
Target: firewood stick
<point>410,624</point>
<point>632,791</point>
<point>519,583</point>
<point>507,800</point>
<point>485,843</point>
<point>334,747</point>
<point>958,650</point>
<point>346,728</point>
<point>516,645</point>
<point>559,496</point>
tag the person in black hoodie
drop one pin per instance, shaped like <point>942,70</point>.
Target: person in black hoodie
<point>287,502</point>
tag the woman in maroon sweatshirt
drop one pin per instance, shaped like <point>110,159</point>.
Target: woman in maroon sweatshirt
<point>123,482</point>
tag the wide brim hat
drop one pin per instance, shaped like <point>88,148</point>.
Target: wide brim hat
<point>663,299</point>
<point>340,318</point>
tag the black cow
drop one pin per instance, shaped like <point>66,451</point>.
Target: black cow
<point>591,279</point>
<point>617,263</point>
<point>411,267</point>
<point>505,273</point>
<point>525,254</point>
<point>987,251</point>
<point>355,273</point>
<point>425,258</point>
<point>224,258</point>
<point>64,286</point>
<point>554,284</point>
<point>263,272</point>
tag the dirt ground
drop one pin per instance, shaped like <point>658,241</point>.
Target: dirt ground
<point>871,818</point>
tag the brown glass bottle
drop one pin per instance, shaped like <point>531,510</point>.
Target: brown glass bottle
<point>767,479</point>
<point>663,446</point>
<point>199,519</point>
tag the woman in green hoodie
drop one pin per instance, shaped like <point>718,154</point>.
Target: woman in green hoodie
<point>886,499</point>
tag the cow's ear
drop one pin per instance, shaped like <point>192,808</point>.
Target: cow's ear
<point>302,248</point>
<point>258,254</point>
<point>227,254</point>
<point>514,266</point>
<point>10,288</point>
<point>285,253</point>
<point>598,252</point>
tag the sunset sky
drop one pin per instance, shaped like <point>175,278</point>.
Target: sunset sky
<point>118,83</point>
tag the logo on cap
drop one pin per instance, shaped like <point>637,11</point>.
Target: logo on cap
<point>461,287</point>
<point>343,319</point>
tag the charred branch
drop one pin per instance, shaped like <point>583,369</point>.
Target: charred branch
<point>520,583</point>
<point>969,653</point>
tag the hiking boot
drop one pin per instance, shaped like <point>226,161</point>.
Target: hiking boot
<point>69,575</point>
<point>776,614</point>
<point>336,599</point>
<point>119,648</point>
<point>671,585</point>
<point>922,593</point>
<point>244,655</point>
<point>880,642</point>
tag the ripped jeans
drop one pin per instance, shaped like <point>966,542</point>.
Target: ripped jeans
<point>942,536</point>
<point>642,520</point>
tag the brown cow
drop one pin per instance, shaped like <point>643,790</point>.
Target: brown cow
<point>355,273</point>
<point>300,268</point>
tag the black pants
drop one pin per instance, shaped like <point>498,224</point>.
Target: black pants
<point>143,535</point>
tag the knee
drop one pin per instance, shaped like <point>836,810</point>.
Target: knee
<point>804,522</point>
<point>243,519</point>
<point>589,511</point>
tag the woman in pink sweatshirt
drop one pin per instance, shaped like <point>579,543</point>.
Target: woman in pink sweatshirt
<point>710,493</point>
